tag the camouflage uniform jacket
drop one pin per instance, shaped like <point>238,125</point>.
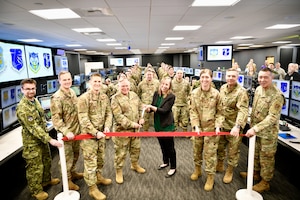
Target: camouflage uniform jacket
<point>32,119</point>
<point>205,109</point>
<point>266,109</point>
<point>126,110</point>
<point>146,90</point>
<point>64,112</point>
<point>94,112</point>
<point>182,92</point>
<point>235,103</point>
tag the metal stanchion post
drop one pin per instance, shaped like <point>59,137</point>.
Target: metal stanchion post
<point>66,194</point>
<point>249,194</point>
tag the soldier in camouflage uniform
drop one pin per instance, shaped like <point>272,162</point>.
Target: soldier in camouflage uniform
<point>235,102</point>
<point>95,117</point>
<point>205,116</point>
<point>126,107</point>
<point>36,151</point>
<point>162,70</point>
<point>181,89</point>
<point>146,89</point>
<point>65,120</point>
<point>265,115</point>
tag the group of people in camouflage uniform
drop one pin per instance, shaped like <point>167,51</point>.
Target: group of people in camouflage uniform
<point>103,108</point>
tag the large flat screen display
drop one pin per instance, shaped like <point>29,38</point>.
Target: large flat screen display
<point>52,86</point>
<point>132,61</point>
<point>12,62</point>
<point>283,86</point>
<point>116,62</point>
<point>294,110</point>
<point>39,61</point>
<point>295,90</point>
<point>219,53</point>
<point>60,64</point>
<point>285,108</point>
<point>8,96</point>
<point>201,54</point>
<point>45,101</point>
<point>9,116</point>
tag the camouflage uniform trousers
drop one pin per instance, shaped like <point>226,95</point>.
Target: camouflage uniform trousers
<point>38,166</point>
<point>181,116</point>
<point>197,150</point>
<point>124,144</point>
<point>232,144</point>
<point>93,151</point>
<point>264,157</point>
<point>72,154</point>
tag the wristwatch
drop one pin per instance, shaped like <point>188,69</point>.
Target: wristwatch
<point>238,126</point>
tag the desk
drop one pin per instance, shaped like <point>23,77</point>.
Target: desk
<point>11,143</point>
<point>286,142</point>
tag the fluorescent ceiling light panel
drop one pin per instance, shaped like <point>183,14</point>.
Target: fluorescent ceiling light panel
<point>73,45</point>
<point>186,28</point>
<point>167,44</point>
<point>121,47</point>
<point>174,38</point>
<point>223,42</point>
<point>163,47</point>
<point>243,48</point>
<point>214,2</point>
<point>245,44</point>
<point>283,26</point>
<point>256,45</point>
<point>113,44</point>
<point>106,40</point>
<point>136,51</point>
<point>80,49</point>
<point>87,30</point>
<point>281,42</point>
<point>30,40</point>
<point>241,37</point>
<point>61,13</point>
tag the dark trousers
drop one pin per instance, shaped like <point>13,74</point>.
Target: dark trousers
<point>168,151</point>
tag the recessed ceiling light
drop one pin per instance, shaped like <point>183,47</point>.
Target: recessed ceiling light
<point>106,40</point>
<point>281,42</point>
<point>243,48</point>
<point>87,30</point>
<point>223,42</point>
<point>73,45</point>
<point>241,37</point>
<point>214,2</point>
<point>283,26</point>
<point>186,28</point>
<point>167,44</point>
<point>113,44</point>
<point>136,51</point>
<point>61,13</point>
<point>174,38</point>
<point>30,40</point>
<point>163,47</point>
<point>245,44</point>
<point>256,46</point>
<point>121,47</point>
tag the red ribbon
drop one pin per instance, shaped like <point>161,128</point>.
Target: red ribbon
<point>150,134</point>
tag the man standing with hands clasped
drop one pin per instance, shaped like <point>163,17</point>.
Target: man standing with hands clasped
<point>265,115</point>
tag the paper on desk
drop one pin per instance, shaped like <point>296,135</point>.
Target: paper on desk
<point>287,136</point>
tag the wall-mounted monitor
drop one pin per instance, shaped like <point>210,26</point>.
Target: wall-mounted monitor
<point>45,101</point>
<point>19,93</point>
<point>188,71</point>
<point>285,108</point>
<point>217,76</point>
<point>219,53</point>
<point>77,80</point>
<point>201,53</point>
<point>283,86</point>
<point>119,62</point>
<point>241,80</point>
<point>197,72</point>
<point>247,82</point>
<point>52,86</point>
<point>39,61</point>
<point>132,61</point>
<point>8,96</point>
<point>294,109</point>
<point>295,90</point>
<point>12,62</point>
<point>61,64</point>
<point>9,116</point>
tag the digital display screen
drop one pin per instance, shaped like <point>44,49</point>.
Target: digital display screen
<point>61,64</point>
<point>241,80</point>
<point>283,86</point>
<point>39,62</point>
<point>219,53</point>
<point>12,62</point>
<point>52,86</point>
<point>197,72</point>
<point>201,54</point>
<point>76,89</point>
<point>8,96</point>
<point>116,62</point>
<point>9,116</point>
<point>76,80</point>
<point>19,93</point>
<point>217,76</point>
<point>45,102</point>
<point>294,109</point>
<point>132,61</point>
<point>295,90</point>
<point>247,82</point>
<point>285,108</point>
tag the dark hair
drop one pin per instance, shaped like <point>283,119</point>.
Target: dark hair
<point>29,80</point>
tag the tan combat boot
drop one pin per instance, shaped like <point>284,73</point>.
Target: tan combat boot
<point>119,176</point>
<point>102,180</point>
<point>229,174</point>
<point>261,186</point>
<point>72,186</point>
<point>220,166</point>
<point>76,175</point>
<point>209,182</point>
<point>95,193</point>
<point>53,181</point>
<point>196,173</point>
<point>256,175</point>
<point>136,167</point>
<point>41,195</point>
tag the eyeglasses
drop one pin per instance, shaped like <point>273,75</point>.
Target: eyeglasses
<point>28,89</point>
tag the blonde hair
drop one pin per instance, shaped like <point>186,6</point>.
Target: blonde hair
<point>166,78</point>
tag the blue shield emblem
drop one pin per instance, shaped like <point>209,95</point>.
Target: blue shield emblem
<point>225,51</point>
<point>16,59</point>
<point>34,63</point>
<point>47,61</point>
<point>283,87</point>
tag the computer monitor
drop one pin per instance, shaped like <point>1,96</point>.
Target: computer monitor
<point>76,89</point>
<point>241,80</point>
<point>45,101</point>
<point>52,86</point>
<point>283,86</point>
<point>247,82</point>
<point>285,108</point>
<point>8,96</point>
<point>76,80</point>
<point>294,110</point>
<point>295,90</point>
<point>9,116</point>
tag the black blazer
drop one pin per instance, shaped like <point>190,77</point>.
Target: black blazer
<point>165,109</point>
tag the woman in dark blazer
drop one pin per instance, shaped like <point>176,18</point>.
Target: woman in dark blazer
<point>162,103</point>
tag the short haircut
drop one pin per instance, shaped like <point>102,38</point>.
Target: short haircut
<point>62,73</point>
<point>203,71</point>
<point>95,75</point>
<point>28,80</point>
